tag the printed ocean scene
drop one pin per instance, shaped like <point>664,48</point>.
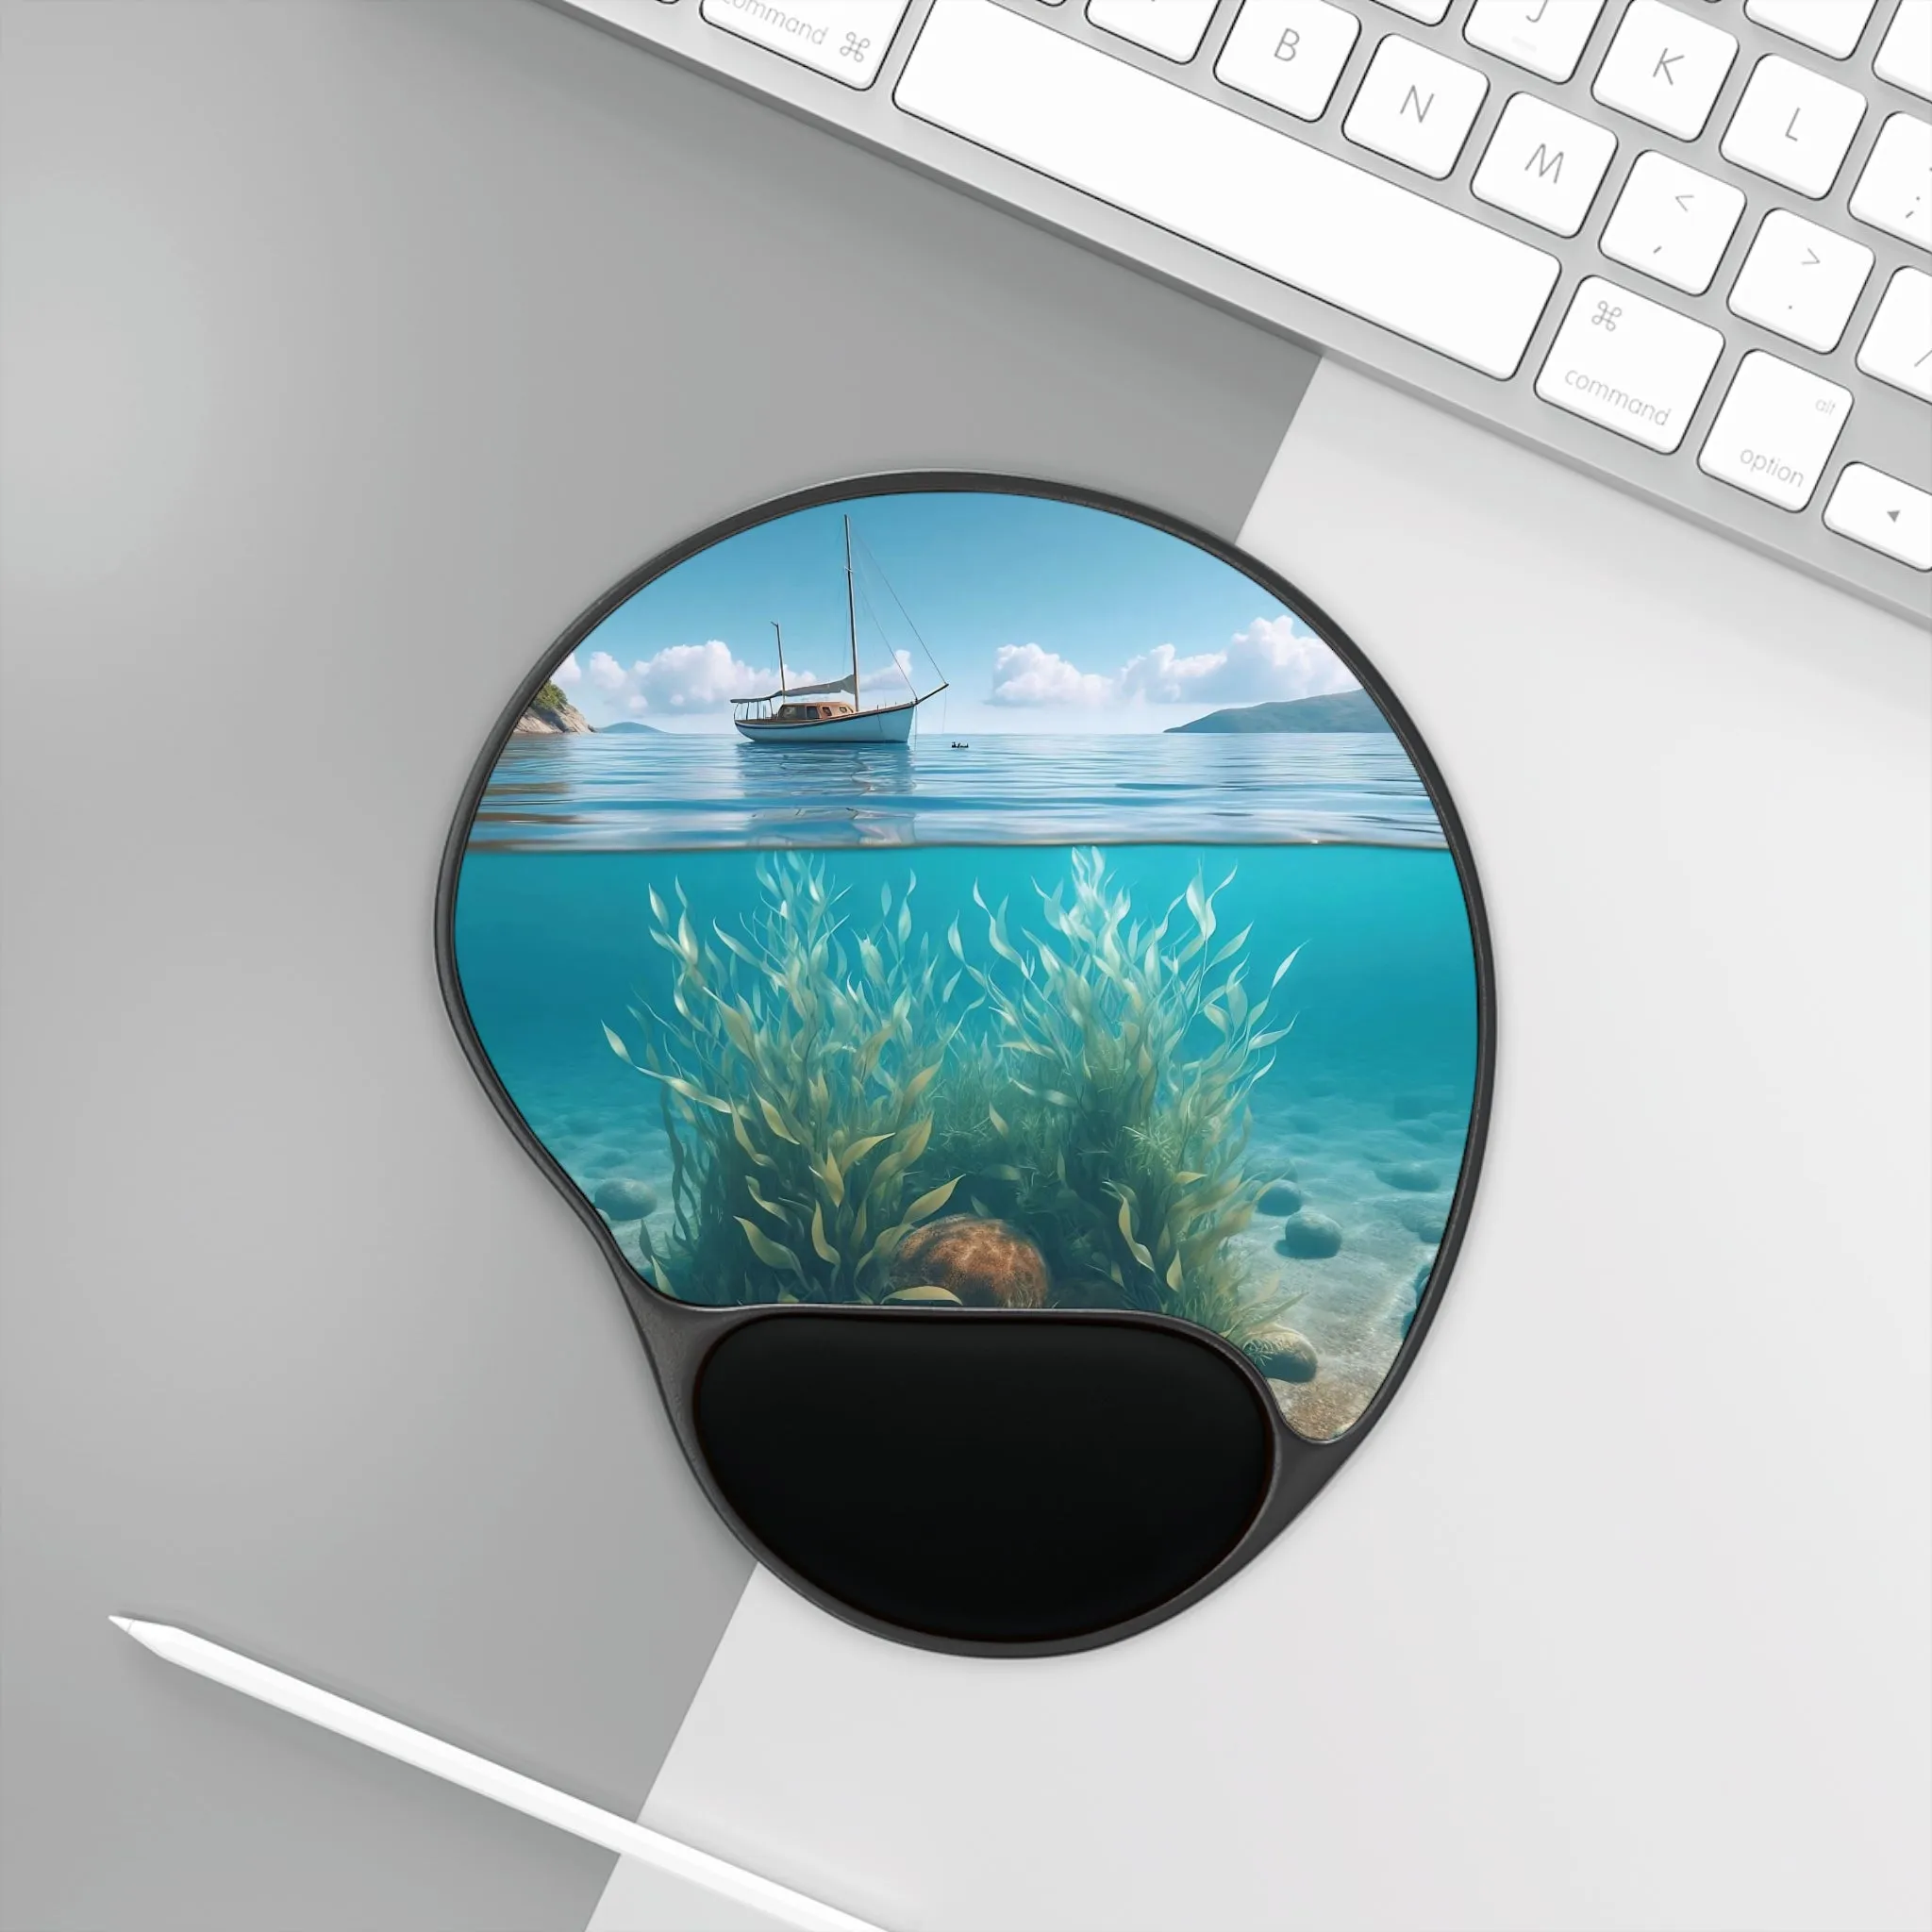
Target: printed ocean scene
<point>1138,977</point>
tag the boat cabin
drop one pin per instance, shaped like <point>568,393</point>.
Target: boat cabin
<point>817,712</point>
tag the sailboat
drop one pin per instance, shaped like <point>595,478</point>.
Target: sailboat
<point>830,712</point>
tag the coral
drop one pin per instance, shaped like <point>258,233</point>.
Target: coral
<point>980,1263</point>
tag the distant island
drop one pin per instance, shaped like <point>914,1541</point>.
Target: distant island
<point>632,725</point>
<point>549,713</point>
<point>1341,710</point>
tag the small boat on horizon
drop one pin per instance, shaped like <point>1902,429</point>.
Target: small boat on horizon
<point>830,712</point>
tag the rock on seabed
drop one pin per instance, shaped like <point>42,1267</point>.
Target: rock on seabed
<point>1426,1220</point>
<point>624,1198</point>
<point>1417,1177</point>
<point>1280,1197</point>
<point>1310,1236</point>
<point>1284,1353</point>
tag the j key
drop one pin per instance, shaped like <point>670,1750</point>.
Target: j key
<point>1545,36</point>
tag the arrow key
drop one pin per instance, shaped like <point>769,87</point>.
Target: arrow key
<point>1673,223</point>
<point>1882,513</point>
<point>1801,280</point>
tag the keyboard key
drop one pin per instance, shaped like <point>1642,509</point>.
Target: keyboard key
<point>1172,27</point>
<point>1898,346</point>
<point>1629,363</point>
<point>1904,55</point>
<point>1543,164</point>
<point>1894,193</point>
<point>1665,68</point>
<point>1415,106</point>
<point>1801,280</point>
<point>1429,11</point>
<point>1673,223</point>
<point>1793,125</point>
<point>1832,26</point>
<point>1289,52</point>
<point>1884,514</point>
<point>1774,431</point>
<point>1203,171</point>
<point>846,39</point>
<point>1545,36</point>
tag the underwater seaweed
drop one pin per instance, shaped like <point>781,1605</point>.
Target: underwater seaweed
<point>798,1088</point>
<point>823,1096</point>
<point>1126,1057</point>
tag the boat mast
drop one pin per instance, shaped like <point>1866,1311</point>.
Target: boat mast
<point>780,636</point>
<point>851,614</point>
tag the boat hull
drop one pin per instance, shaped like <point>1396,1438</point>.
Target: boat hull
<point>889,726</point>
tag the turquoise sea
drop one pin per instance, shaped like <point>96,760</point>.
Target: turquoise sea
<point>1329,849</point>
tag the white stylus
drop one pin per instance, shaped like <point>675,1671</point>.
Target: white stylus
<point>489,1780</point>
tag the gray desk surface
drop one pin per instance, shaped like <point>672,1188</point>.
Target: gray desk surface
<point>350,350</point>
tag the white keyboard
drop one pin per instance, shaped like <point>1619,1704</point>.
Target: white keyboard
<point>1684,245</point>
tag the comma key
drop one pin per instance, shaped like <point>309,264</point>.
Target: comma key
<point>1629,363</point>
<point>1776,430</point>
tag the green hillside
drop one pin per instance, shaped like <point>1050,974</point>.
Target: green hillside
<point>1341,710</point>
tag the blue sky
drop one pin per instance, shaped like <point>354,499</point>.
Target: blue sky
<point>1044,616</point>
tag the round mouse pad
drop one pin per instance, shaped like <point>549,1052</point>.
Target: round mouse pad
<point>1004,981</point>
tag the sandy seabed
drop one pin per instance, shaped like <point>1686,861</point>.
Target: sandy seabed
<point>1355,1306</point>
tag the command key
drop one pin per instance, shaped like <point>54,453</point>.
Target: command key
<point>846,39</point>
<point>1629,363</point>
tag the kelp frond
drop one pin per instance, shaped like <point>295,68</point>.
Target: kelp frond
<point>1129,1049</point>
<point>796,1078</point>
<point>823,1096</point>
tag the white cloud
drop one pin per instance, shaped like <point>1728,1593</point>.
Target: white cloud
<point>607,673</point>
<point>1274,657</point>
<point>570,673</point>
<point>1025,675</point>
<point>688,677</point>
<point>682,680</point>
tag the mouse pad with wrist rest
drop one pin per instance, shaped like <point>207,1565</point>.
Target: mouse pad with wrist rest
<point>1006,987</point>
